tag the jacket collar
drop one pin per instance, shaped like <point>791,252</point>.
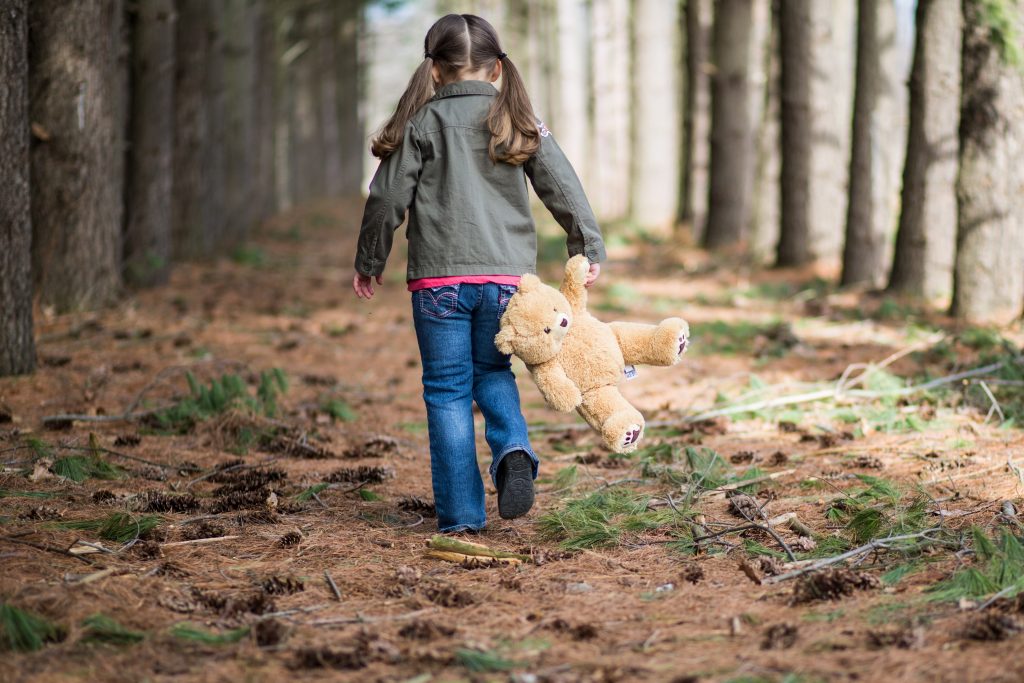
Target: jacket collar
<point>465,88</point>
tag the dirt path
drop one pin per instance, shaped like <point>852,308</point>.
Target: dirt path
<point>628,602</point>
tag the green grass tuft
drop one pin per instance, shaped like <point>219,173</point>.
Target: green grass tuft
<point>483,662</point>
<point>118,526</point>
<point>78,468</point>
<point>24,631</point>
<point>103,629</point>
<point>309,493</point>
<point>566,478</point>
<point>338,410</point>
<point>1000,566</point>
<point>368,495</point>
<point>228,392</point>
<point>192,633</point>
<point>11,493</point>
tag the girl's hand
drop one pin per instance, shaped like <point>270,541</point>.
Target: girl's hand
<point>363,285</point>
<point>595,270</point>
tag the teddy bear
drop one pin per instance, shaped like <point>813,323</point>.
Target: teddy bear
<point>577,360</point>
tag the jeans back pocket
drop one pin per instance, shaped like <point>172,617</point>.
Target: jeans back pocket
<point>504,295</point>
<point>438,302</point>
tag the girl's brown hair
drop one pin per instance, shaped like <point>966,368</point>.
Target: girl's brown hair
<point>457,43</point>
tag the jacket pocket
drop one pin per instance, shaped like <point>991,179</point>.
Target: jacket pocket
<point>504,295</point>
<point>438,302</point>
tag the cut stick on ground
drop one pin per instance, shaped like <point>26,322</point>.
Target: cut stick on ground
<point>725,488</point>
<point>466,548</point>
<point>199,541</point>
<point>471,560</point>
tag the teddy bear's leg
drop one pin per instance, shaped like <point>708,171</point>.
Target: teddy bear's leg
<point>620,424</point>
<point>661,344</point>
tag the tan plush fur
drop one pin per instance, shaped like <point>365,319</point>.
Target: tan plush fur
<point>577,365</point>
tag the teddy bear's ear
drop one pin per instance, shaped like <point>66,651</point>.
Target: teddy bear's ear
<point>529,282</point>
<point>504,341</point>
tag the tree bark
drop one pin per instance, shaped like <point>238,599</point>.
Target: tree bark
<point>347,17</point>
<point>239,69</point>
<point>264,202</point>
<point>198,191</point>
<point>571,122</point>
<point>765,210</point>
<point>732,141</point>
<point>795,28</point>
<point>308,159</point>
<point>147,245</point>
<point>610,73</point>
<point>17,347</point>
<point>989,273</point>
<point>873,167</point>
<point>693,191</point>
<point>655,120</point>
<point>926,237</point>
<point>77,85</point>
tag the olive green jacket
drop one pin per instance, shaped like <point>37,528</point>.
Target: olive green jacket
<point>469,215</point>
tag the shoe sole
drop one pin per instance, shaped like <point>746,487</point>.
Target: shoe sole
<point>516,497</point>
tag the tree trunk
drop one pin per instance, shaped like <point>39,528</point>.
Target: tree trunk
<point>732,142</point>
<point>308,159</point>
<point>693,190</point>
<point>571,121</point>
<point>198,190</point>
<point>347,17</point>
<point>765,210</point>
<point>989,273</point>
<point>926,237</point>
<point>655,120</point>
<point>147,240</point>
<point>873,167</point>
<point>795,28</point>
<point>239,70</point>
<point>17,347</point>
<point>817,68</point>
<point>77,85</point>
<point>263,122</point>
<point>610,73</point>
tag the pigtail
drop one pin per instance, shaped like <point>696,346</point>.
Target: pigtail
<point>514,134</point>
<point>417,93</point>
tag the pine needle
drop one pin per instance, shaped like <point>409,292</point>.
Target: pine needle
<point>11,493</point>
<point>25,632</point>
<point>101,628</point>
<point>118,526</point>
<point>78,468</point>
<point>482,662</point>
<point>310,493</point>
<point>190,632</point>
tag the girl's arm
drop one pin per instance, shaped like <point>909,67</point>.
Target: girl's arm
<point>558,186</point>
<point>391,193</point>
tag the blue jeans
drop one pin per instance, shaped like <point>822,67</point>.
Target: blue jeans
<point>455,328</point>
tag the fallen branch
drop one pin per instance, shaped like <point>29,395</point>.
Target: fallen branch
<point>445,544</point>
<point>471,561</point>
<point>732,486</point>
<point>360,619</point>
<point>876,544</point>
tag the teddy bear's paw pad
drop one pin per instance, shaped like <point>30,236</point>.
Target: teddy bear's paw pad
<point>633,434</point>
<point>684,343</point>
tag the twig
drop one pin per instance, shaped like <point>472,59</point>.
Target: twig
<point>49,548</point>
<point>199,541</point>
<point>617,482</point>
<point>767,528</point>
<point>995,404</point>
<point>231,468</point>
<point>1001,594</point>
<point>732,486</point>
<point>360,619</point>
<point>334,586</point>
<point>875,544</point>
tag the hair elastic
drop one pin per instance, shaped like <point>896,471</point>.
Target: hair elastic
<point>427,54</point>
<point>502,55</point>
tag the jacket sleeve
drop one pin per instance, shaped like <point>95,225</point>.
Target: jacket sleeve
<point>558,186</point>
<point>391,193</point>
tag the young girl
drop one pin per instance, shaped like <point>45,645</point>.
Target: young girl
<point>456,155</point>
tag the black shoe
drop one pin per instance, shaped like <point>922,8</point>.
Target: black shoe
<point>515,485</point>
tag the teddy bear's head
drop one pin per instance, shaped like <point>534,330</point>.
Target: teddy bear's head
<point>535,322</point>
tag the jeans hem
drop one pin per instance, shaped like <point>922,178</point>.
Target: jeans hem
<point>461,527</point>
<point>493,470</point>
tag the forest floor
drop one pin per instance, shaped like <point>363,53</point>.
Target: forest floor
<point>640,568</point>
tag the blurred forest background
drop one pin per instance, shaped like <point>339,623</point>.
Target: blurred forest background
<point>879,139</point>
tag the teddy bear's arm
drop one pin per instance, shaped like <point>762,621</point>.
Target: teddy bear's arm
<point>661,344</point>
<point>573,283</point>
<point>560,392</point>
